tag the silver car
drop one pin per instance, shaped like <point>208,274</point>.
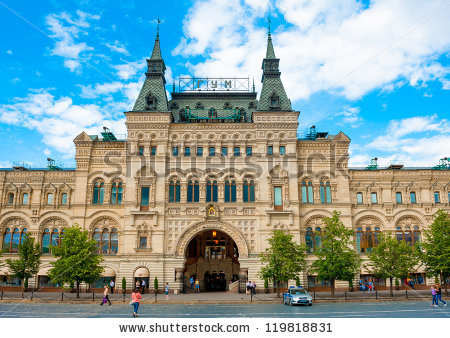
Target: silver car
<point>297,295</point>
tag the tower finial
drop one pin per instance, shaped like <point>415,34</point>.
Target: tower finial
<point>157,29</point>
<point>268,24</point>
<point>253,84</point>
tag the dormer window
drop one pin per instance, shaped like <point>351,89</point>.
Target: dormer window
<point>199,105</point>
<point>274,101</point>
<point>151,102</point>
<point>227,105</point>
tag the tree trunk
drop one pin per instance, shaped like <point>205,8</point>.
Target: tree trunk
<point>332,287</point>
<point>391,290</point>
<point>23,288</point>
<point>78,289</point>
<point>278,289</point>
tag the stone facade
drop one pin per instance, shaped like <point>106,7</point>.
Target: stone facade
<point>146,160</point>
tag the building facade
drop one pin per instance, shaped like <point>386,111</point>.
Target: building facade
<point>201,181</point>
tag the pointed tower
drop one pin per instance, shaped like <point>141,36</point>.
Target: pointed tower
<point>273,96</point>
<point>153,93</point>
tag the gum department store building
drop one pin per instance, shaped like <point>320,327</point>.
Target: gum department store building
<point>201,181</point>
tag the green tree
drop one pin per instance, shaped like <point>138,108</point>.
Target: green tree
<point>77,259</point>
<point>124,284</point>
<point>436,247</point>
<point>392,259</point>
<point>27,265</point>
<point>336,258</point>
<point>155,284</point>
<point>284,259</point>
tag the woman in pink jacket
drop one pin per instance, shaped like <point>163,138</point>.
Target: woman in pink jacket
<point>135,298</point>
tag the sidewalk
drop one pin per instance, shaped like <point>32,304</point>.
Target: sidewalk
<point>212,297</point>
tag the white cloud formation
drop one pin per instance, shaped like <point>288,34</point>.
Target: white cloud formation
<point>64,30</point>
<point>116,46</point>
<point>416,141</point>
<point>9,51</point>
<point>350,115</point>
<point>58,120</point>
<point>127,70</point>
<point>336,46</point>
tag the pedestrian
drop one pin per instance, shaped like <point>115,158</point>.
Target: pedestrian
<point>143,284</point>
<point>166,289</point>
<point>433,296</point>
<point>438,295</point>
<point>105,296</point>
<point>254,287</point>
<point>197,285</point>
<point>111,284</point>
<point>135,299</point>
<point>138,284</point>
<point>371,288</point>
<point>191,280</point>
<point>248,285</point>
<point>361,285</point>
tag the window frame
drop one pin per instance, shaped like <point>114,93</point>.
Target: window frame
<point>372,194</point>
<point>174,151</point>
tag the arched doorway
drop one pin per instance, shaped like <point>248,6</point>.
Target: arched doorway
<point>213,257</point>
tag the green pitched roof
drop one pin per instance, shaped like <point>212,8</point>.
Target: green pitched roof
<point>270,54</point>
<point>156,54</point>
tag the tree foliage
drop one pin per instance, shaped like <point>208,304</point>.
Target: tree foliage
<point>336,258</point>
<point>392,259</point>
<point>27,265</point>
<point>436,246</point>
<point>283,259</point>
<point>77,259</point>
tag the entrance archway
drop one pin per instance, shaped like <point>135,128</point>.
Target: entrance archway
<point>212,257</point>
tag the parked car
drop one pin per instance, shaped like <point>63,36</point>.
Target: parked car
<point>297,295</point>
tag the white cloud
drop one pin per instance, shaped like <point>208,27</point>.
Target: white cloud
<point>127,70</point>
<point>101,89</point>
<point>337,46</point>
<point>47,152</point>
<point>64,30</point>
<point>350,115</point>
<point>58,120</point>
<point>416,141</point>
<point>9,51</point>
<point>116,46</point>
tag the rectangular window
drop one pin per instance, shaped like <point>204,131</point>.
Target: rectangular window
<point>374,198</point>
<point>174,151</point>
<point>50,199</point>
<point>187,151</point>
<point>141,151</point>
<point>282,150</point>
<point>237,151</point>
<point>412,197</point>
<point>145,197</point>
<point>277,197</point>
<point>269,150</point>
<point>224,151</point>
<point>64,198</point>
<point>212,151</point>
<point>153,151</point>
<point>359,197</point>
<point>398,197</point>
<point>248,151</point>
<point>25,199</point>
<point>142,242</point>
<point>199,151</point>
<point>437,197</point>
<point>10,198</point>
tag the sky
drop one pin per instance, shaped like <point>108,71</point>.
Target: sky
<point>379,71</point>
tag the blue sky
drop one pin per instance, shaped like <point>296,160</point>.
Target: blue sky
<point>376,70</point>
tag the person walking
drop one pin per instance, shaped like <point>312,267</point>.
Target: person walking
<point>371,287</point>
<point>197,286</point>
<point>253,289</point>
<point>191,280</point>
<point>138,284</point>
<point>105,296</point>
<point>248,285</point>
<point>433,295</point>
<point>135,300</point>
<point>111,285</point>
<point>166,290</point>
<point>438,295</point>
<point>143,284</point>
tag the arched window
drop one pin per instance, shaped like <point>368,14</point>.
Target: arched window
<point>376,237</point>
<point>360,240</point>
<point>107,241</point>
<point>46,238</point>
<point>318,239</point>
<point>12,240</point>
<point>174,191</point>
<point>249,191</point>
<point>193,191</point>
<point>399,234</point>
<point>307,192</point>
<point>230,191</point>
<point>116,193</point>
<point>51,238</point>
<point>99,193</point>
<point>211,191</point>
<point>15,241</point>
<point>325,192</point>
<point>408,236</point>
<point>367,239</point>
<point>309,240</point>
<point>55,237</point>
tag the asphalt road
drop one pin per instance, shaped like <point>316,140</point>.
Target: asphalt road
<point>408,309</point>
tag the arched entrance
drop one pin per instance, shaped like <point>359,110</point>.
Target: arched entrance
<point>212,256</point>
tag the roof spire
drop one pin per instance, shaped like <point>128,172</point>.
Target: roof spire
<point>270,54</point>
<point>253,84</point>
<point>156,54</point>
<point>268,19</point>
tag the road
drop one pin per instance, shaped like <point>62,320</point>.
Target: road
<point>407,309</point>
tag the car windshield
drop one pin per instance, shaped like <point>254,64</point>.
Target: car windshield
<point>298,292</point>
